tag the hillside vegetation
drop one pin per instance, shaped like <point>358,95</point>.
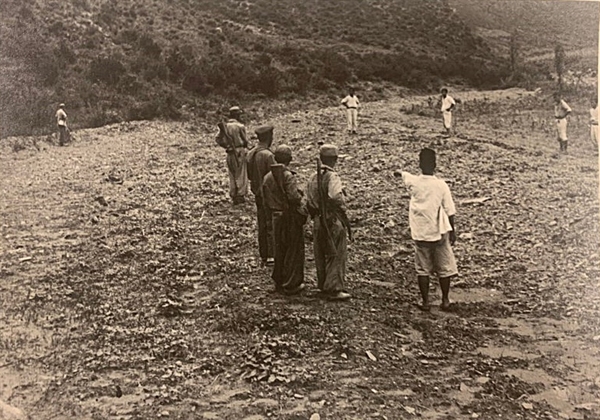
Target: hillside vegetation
<point>139,59</point>
<point>112,60</point>
<point>538,26</point>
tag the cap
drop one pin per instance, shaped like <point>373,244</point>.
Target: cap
<point>328,150</point>
<point>283,154</point>
<point>263,129</point>
<point>235,109</point>
<point>61,105</point>
<point>443,90</point>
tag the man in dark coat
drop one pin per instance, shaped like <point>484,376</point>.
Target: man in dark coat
<point>282,197</point>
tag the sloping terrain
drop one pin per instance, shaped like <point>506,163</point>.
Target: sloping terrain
<point>538,26</point>
<point>112,61</point>
<point>130,287</point>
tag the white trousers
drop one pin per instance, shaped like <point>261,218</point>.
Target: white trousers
<point>594,134</point>
<point>561,129</point>
<point>352,114</point>
<point>447,119</point>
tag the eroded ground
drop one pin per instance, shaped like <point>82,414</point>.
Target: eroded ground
<point>130,287</point>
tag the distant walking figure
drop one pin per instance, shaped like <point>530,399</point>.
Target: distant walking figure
<point>61,121</point>
<point>448,105</point>
<point>232,137</point>
<point>594,121</point>
<point>561,112</point>
<point>351,103</point>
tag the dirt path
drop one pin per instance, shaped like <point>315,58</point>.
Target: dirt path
<point>130,290</point>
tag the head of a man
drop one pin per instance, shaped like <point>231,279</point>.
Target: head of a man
<point>235,112</point>
<point>427,161</point>
<point>328,153</point>
<point>444,92</point>
<point>557,97</point>
<point>265,135</point>
<point>61,106</point>
<point>352,91</point>
<point>283,154</point>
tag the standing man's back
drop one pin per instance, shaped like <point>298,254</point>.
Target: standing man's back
<point>232,137</point>
<point>260,159</point>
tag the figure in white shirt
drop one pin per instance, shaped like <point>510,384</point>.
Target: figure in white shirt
<point>448,105</point>
<point>561,112</point>
<point>63,129</point>
<point>431,219</point>
<point>351,103</point>
<point>594,121</point>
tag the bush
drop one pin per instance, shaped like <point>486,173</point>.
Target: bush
<point>107,69</point>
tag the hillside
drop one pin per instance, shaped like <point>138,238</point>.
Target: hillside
<point>138,59</point>
<point>537,25</point>
<point>111,61</point>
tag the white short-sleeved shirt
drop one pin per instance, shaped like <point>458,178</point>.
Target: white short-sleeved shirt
<point>561,110</point>
<point>594,115</point>
<point>351,101</point>
<point>430,206</point>
<point>61,117</point>
<point>447,102</point>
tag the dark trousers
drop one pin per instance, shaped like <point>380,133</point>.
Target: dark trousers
<point>265,230</point>
<point>63,135</point>
<point>288,272</point>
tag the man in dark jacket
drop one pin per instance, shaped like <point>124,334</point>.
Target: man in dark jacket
<point>282,197</point>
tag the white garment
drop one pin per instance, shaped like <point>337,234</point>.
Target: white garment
<point>594,116</point>
<point>352,119</point>
<point>447,119</point>
<point>351,101</point>
<point>561,110</point>
<point>594,125</point>
<point>561,128</point>
<point>430,207</point>
<point>61,117</point>
<point>447,103</point>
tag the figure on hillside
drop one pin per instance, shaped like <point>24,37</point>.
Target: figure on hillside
<point>431,220</point>
<point>594,121</point>
<point>448,105</point>
<point>327,207</point>
<point>260,159</point>
<point>64,135</point>
<point>561,112</point>
<point>351,103</point>
<point>284,200</point>
<point>232,137</point>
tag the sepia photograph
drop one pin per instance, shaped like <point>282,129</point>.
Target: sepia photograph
<point>299,210</point>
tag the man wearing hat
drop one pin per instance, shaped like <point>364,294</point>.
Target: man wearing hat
<point>61,121</point>
<point>284,201</point>
<point>326,205</point>
<point>232,137</point>
<point>260,159</point>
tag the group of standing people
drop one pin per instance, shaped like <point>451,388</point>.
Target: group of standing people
<point>562,110</point>
<point>283,208</point>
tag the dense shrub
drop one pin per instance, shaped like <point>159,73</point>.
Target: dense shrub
<point>107,69</point>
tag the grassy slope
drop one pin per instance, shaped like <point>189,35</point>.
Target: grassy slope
<point>136,59</point>
<point>106,284</point>
<point>539,25</point>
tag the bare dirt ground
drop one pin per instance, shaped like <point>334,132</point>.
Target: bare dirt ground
<point>129,286</point>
